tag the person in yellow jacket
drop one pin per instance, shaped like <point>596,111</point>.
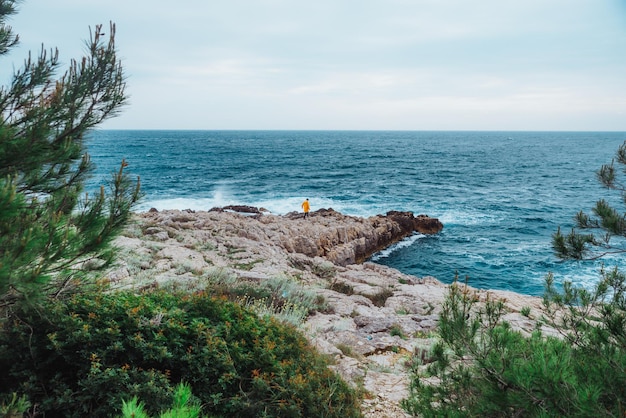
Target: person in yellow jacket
<point>306,207</point>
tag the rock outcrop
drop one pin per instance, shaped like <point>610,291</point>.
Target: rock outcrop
<point>376,317</point>
<point>339,238</point>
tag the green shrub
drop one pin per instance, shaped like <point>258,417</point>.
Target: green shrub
<point>285,312</point>
<point>485,368</point>
<point>281,296</point>
<point>285,289</point>
<point>324,270</point>
<point>396,330</point>
<point>83,357</point>
<point>342,287</point>
<point>13,406</point>
<point>185,406</point>
<point>379,298</point>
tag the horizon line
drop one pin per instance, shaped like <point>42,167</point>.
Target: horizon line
<point>356,130</point>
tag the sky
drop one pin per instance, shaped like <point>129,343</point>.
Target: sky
<point>351,64</point>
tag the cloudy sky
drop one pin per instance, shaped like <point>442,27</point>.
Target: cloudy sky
<point>353,64</point>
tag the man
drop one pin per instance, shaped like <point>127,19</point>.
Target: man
<point>306,207</point>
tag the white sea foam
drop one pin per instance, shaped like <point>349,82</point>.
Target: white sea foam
<point>407,242</point>
<point>221,196</point>
<point>469,217</point>
<point>282,206</point>
<point>180,203</point>
<point>279,206</point>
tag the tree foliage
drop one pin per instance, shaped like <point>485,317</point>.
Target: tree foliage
<point>606,226</point>
<point>51,232</point>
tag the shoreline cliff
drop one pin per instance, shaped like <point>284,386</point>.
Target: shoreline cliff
<point>375,317</point>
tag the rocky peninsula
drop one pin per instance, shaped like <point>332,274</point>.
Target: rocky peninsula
<point>375,317</point>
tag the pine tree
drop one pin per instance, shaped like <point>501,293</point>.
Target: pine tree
<point>52,233</point>
<point>482,367</point>
<point>607,220</point>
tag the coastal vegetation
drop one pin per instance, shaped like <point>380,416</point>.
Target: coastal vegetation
<point>480,366</point>
<point>608,223</point>
<point>53,235</point>
<point>87,354</point>
<point>72,346</point>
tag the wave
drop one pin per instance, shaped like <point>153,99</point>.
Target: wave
<point>469,217</point>
<point>221,196</point>
<point>277,206</point>
<point>227,194</point>
<point>407,242</point>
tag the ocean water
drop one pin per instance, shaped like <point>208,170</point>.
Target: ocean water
<point>500,195</point>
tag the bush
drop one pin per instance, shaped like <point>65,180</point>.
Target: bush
<point>184,406</point>
<point>83,357</point>
<point>281,296</point>
<point>380,298</point>
<point>482,367</point>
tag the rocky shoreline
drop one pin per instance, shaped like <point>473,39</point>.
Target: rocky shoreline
<point>377,317</point>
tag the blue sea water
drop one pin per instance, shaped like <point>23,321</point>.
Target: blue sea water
<point>500,195</point>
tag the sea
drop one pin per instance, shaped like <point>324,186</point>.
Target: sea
<point>500,195</point>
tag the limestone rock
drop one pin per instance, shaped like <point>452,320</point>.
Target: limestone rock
<point>376,317</point>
